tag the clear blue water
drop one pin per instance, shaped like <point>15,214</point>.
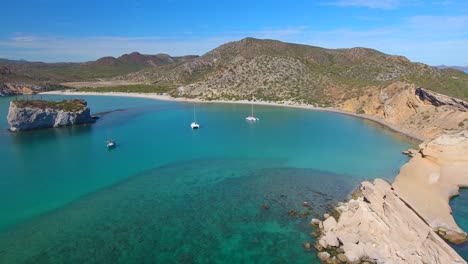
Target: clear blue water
<point>168,194</point>
<point>459,206</point>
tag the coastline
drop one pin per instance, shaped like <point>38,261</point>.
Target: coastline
<point>440,163</point>
<point>289,104</point>
<point>405,221</point>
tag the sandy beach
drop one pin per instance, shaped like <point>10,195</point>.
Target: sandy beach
<point>291,104</point>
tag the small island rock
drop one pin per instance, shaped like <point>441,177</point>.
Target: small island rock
<point>36,114</point>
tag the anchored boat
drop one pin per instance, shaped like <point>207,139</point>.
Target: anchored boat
<point>251,117</point>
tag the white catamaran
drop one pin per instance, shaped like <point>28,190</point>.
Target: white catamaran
<point>111,144</point>
<point>194,124</point>
<point>251,117</point>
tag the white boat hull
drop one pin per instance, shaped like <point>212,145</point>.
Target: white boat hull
<point>194,125</point>
<point>111,144</point>
<point>252,119</point>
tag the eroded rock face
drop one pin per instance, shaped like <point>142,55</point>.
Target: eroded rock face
<point>380,227</point>
<point>397,223</point>
<point>431,177</point>
<point>22,118</point>
<point>9,89</point>
<point>437,99</point>
<point>417,111</point>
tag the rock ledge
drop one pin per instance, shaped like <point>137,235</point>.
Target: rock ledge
<point>403,222</point>
<point>378,227</point>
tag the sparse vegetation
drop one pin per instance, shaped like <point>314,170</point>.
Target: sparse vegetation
<point>65,105</point>
<point>360,111</point>
<point>265,69</point>
<point>273,70</point>
<point>136,88</point>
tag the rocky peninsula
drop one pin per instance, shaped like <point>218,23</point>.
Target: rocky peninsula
<point>403,222</point>
<point>36,114</point>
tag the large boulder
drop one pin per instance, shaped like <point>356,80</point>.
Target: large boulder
<point>36,114</point>
<point>379,226</point>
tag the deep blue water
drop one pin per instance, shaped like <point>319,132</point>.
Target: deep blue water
<point>168,194</point>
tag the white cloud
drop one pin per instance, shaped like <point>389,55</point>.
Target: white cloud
<point>53,49</point>
<point>426,50</point>
<point>277,33</point>
<point>23,38</point>
<point>412,38</point>
<point>449,23</point>
<point>377,4</point>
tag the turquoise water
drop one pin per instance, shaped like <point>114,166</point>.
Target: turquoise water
<point>168,194</point>
<point>459,206</point>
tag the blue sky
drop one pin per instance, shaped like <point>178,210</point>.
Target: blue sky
<point>432,32</point>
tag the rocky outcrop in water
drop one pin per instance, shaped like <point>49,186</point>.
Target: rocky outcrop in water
<point>401,222</point>
<point>36,114</point>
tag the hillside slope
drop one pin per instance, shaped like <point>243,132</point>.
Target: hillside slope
<point>274,70</point>
<point>359,80</point>
<point>24,76</point>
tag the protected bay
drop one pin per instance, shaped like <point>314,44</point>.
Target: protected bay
<point>169,194</point>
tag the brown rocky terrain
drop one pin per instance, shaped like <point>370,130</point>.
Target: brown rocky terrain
<point>418,111</point>
<point>277,71</point>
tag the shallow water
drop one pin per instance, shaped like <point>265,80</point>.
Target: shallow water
<point>172,195</point>
<point>199,211</point>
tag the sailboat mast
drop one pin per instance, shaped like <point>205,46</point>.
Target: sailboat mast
<point>194,115</point>
<point>252,110</point>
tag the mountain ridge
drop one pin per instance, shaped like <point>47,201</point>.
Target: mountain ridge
<point>41,73</point>
<point>262,68</point>
<point>460,68</point>
<point>267,68</point>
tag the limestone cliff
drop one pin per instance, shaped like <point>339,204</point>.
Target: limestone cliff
<point>436,171</point>
<point>35,114</point>
<point>399,222</point>
<point>418,111</point>
<point>378,227</point>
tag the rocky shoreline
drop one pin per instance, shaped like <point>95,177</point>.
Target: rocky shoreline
<point>394,223</point>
